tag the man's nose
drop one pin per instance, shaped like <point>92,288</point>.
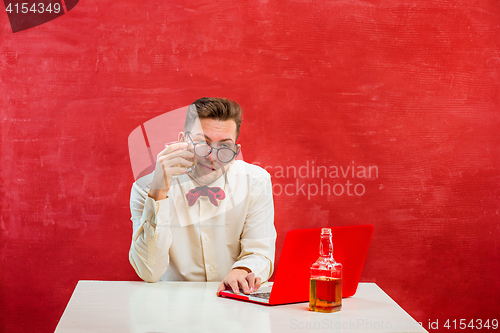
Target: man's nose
<point>211,156</point>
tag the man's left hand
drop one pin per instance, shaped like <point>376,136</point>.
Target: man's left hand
<point>240,278</point>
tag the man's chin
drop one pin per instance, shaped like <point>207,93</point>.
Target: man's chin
<point>206,176</point>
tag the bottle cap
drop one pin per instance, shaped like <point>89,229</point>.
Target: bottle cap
<point>326,231</point>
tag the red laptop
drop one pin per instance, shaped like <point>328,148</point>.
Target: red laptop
<point>300,250</point>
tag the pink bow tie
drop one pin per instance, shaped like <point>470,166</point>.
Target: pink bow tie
<point>213,193</point>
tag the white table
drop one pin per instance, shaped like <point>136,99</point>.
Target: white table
<point>120,306</point>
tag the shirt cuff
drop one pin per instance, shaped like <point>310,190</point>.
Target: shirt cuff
<point>259,266</point>
<point>152,209</point>
<point>149,211</point>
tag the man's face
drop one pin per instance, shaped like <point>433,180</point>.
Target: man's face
<point>208,169</point>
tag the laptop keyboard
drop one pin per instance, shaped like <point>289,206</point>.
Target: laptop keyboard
<point>261,295</point>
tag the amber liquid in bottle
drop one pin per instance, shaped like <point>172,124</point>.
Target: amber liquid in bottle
<point>325,294</point>
<point>325,290</point>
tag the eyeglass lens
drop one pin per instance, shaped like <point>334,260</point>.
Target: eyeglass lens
<point>223,154</point>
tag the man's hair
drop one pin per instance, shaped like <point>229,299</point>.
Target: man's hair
<point>214,108</point>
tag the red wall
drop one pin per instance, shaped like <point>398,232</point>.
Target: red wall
<point>409,87</point>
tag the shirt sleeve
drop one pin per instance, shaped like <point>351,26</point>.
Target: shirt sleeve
<point>258,238</point>
<point>152,238</point>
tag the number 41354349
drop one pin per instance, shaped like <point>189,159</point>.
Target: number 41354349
<point>463,324</point>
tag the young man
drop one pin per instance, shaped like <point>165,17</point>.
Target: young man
<point>210,222</point>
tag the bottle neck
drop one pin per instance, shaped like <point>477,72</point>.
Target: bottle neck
<point>326,247</point>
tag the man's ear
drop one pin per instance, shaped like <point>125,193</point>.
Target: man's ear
<point>238,150</point>
<point>181,137</point>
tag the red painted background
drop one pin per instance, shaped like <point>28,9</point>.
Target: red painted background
<point>411,87</point>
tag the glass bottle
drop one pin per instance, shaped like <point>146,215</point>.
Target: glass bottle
<point>325,291</point>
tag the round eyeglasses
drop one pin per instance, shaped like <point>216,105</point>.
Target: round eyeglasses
<point>226,151</point>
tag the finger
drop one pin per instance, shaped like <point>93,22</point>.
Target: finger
<point>185,154</point>
<point>177,170</point>
<point>234,286</point>
<point>244,285</point>
<point>173,147</point>
<point>170,170</point>
<point>174,166</point>
<point>221,287</point>
<point>176,145</point>
<point>176,161</point>
<point>258,281</point>
<point>251,281</point>
<point>182,153</point>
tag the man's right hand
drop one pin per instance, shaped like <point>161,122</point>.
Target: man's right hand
<point>174,159</point>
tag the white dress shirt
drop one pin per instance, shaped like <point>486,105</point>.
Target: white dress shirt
<point>175,242</point>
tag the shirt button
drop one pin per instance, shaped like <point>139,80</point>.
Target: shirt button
<point>205,238</point>
<point>205,211</point>
<point>211,268</point>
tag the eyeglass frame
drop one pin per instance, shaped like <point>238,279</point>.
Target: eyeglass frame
<point>211,149</point>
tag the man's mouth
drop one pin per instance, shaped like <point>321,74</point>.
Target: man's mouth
<point>207,167</point>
